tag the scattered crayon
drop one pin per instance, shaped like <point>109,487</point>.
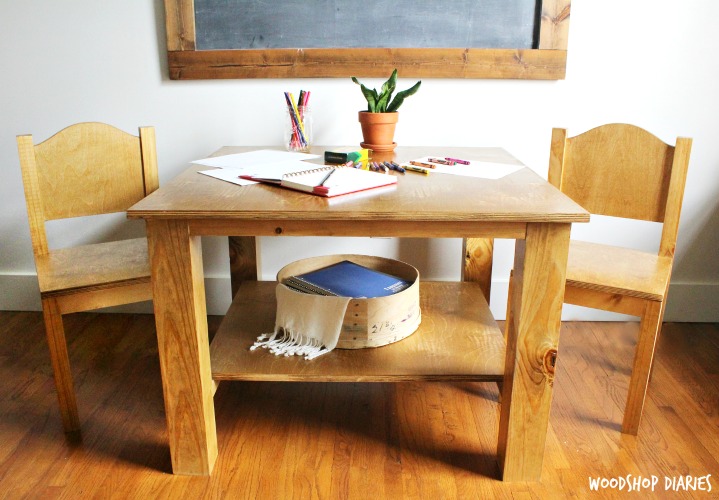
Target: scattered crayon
<point>419,170</point>
<point>420,164</point>
<point>456,160</point>
<point>441,161</point>
<point>394,166</point>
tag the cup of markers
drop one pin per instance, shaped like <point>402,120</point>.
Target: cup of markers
<point>298,124</point>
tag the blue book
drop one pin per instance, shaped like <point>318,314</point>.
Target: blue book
<point>347,279</point>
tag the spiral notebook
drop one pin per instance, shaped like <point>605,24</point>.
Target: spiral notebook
<point>329,181</point>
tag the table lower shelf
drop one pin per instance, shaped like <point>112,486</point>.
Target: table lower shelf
<point>457,340</point>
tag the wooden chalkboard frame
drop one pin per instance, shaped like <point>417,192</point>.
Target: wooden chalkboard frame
<point>547,62</point>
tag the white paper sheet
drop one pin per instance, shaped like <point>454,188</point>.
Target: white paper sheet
<point>265,163</point>
<point>227,174</point>
<point>476,168</point>
<point>275,171</point>
<point>254,158</point>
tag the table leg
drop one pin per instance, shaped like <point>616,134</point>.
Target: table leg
<point>181,320</point>
<point>243,260</point>
<point>478,253</point>
<point>532,340</point>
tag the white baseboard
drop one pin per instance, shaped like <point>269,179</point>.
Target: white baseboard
<point>688,302</point>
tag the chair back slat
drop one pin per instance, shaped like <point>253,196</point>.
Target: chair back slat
<point>89,169</point>
<point>617,170</point>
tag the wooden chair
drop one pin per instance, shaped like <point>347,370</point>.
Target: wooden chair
<point>623,171</point>
<point>85,169</point>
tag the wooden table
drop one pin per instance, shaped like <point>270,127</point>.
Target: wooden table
<point>458,338</point>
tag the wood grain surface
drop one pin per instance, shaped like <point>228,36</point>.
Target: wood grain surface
<point>520,197</point>
<point>457,340</point>
<point>408,440</point>
<point>182,345</point>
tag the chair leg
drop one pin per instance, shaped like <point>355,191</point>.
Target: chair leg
<point>649,327</point>
<point>60,365</point>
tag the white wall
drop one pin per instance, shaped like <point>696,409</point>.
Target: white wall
<point>647,62</point>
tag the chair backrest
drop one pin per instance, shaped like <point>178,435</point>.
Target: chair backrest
<point>85,169</point>
<point>623,171</point>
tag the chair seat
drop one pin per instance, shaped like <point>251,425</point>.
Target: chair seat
<point>616,270</point>
<point>70,270</point>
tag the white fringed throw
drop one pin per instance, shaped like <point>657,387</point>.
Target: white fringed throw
<point>305,325</point>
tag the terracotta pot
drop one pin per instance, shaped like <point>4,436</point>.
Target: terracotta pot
<point>378,130</point>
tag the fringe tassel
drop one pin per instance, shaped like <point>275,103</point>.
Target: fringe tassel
<point>284,343</point>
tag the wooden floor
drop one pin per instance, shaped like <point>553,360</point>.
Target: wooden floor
<point>336,441</point>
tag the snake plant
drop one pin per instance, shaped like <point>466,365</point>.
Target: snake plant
<point>382,102</point>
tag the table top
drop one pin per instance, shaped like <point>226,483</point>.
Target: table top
<point>522,196</point>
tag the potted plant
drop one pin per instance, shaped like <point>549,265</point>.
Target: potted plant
<point>379,120</point>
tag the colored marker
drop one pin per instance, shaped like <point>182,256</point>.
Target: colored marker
<point>419,170</point>
<point>420,164</point>
<point>440,161</point>
<point>456,160</point>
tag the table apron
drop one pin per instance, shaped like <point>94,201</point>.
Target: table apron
<point>345,228</point>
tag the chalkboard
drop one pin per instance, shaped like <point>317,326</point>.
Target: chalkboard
<point>259,24</point>
<point>367,38</point>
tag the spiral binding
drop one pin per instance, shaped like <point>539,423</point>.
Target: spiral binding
<point>312,171</point>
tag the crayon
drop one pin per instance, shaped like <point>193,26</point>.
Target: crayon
<point>420,164</point>
<point>394,166</point>
<point>440,161</point>
<point>417,169</point>
<point>463,162</point>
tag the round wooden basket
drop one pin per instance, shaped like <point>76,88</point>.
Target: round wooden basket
<point>377,321</point>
